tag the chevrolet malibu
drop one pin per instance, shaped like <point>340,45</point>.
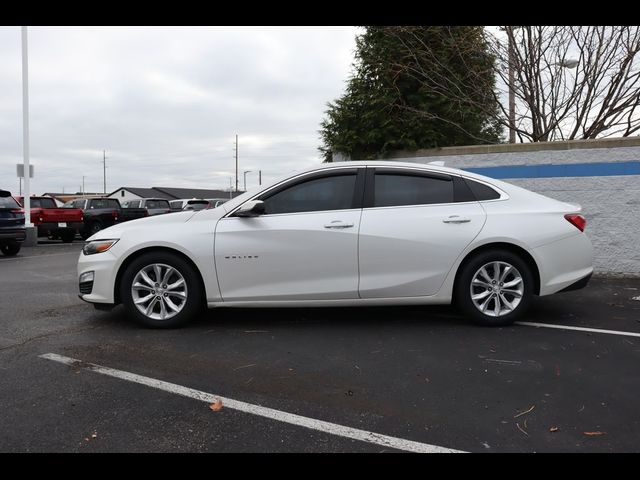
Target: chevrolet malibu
<point>347,234</point>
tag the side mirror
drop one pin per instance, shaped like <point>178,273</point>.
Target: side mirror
<point>4,194</point>
<point>253,208</point>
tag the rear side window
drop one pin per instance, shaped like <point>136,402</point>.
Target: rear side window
<point>8,202</point>
<point>157,204</point>
<point>113,203</point>
<point>176,204</point>
<point>482,191</point>
<point>392,190</point>
<point>131,204</point>
<point>328,193</point>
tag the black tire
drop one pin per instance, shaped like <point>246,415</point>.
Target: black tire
<point>192,305</point>
<point>68,237</point>
<point>90,229</point>
<point>95,227</point>
<point>462,290</point>
<point>10,249</point>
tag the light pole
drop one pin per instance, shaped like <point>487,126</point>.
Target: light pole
<point>245,179</point>
<point>31,239</point>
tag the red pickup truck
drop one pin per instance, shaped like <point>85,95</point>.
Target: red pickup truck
<point>51,221</point>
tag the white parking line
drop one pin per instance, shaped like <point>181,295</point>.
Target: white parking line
<point>291,418</point>
<point>581,329</point>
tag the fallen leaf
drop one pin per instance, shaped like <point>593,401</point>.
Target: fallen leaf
<point>216,406</point>
<point>554,429</point>
<point>594,434</point>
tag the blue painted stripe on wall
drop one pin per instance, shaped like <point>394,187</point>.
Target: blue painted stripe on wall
<point>598,169</point>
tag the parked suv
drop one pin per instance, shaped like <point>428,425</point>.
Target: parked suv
<point>12,231</point>
<point>155,206</point>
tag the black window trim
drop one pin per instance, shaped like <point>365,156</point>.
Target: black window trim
<point>358,193</point>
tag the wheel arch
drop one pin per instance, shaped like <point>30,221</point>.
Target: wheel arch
<point>134,255</point>
<point>509,247</point>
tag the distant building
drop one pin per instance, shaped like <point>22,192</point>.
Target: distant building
<point>125,194</point>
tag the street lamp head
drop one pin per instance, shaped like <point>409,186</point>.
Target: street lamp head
<point>569,63</point>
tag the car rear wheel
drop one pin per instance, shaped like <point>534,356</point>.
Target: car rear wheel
<point>10,249</point>
<point>68,237</point>
<point>161,290</point>
<point>494,288</point>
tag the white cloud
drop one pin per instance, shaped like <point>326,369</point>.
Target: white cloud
<point>166,102</point>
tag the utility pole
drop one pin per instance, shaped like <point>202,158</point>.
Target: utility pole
<point>104,170</point>
<point>245,179</point>
<point>259,177</point>
<point>236,162</point>
<point>83,185</point>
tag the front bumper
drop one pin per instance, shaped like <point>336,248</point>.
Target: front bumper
<point>104,265</point>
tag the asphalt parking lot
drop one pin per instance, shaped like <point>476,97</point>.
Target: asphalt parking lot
<point>323,380</point>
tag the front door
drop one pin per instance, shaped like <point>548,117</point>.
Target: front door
<point>304,247</point>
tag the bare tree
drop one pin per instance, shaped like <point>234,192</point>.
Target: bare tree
<point>568,82</point>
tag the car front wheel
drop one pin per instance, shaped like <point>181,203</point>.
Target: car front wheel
<point>161,290</point>
<point>494,288</point>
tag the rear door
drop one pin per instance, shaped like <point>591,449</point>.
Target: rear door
<point>414,226</point>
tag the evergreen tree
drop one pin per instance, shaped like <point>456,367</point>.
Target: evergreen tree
<point>385,107</point>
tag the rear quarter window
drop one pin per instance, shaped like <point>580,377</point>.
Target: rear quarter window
<point>8,202</point>
<point>482,191</point>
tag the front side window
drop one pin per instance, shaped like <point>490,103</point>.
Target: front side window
<point>397,189</point>
<point>335,192</point>
<point>131,204</point>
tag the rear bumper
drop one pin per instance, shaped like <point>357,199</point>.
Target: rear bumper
<point>45,229</point>
<point>17,234</point>
<point>563,263</point>
<point>577,285</point>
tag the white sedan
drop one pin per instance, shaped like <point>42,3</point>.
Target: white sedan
<point>346,234</point>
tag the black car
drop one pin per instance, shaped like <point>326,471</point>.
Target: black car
<point>12,231</point>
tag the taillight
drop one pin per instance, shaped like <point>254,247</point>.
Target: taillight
<point>146,213</point>
<point>114,214</point>
<point>577,221</point>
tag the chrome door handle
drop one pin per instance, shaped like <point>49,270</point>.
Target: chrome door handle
<point>456,219</point>
<point>338,224</point>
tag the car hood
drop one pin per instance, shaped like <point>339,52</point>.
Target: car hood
<point>142,223</point>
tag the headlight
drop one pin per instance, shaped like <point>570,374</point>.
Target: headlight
<point>98,246</point>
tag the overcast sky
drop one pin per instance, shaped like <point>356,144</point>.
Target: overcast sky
<point>166,103</point>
